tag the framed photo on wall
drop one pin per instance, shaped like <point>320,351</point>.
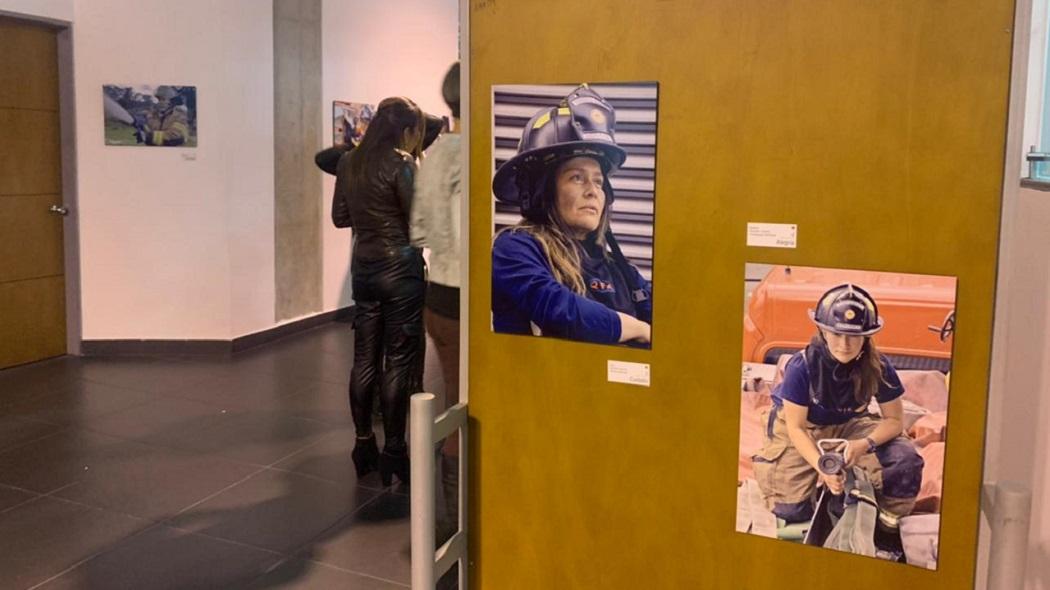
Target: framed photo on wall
<point>145,115</point>
<point>350,121</point>
<point>574,168</point>
<point>844,409</point>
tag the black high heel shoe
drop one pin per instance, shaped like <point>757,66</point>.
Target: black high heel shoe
<point>365,455</point>
<point>391,464</point>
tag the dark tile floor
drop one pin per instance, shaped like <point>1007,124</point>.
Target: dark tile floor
<point>167,472</point>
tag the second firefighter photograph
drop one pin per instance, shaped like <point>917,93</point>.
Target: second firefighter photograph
<point>844,409</point>
<point>574,191</point>
<point>350,121</point>
<point>144,115</point>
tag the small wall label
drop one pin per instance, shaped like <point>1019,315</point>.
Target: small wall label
<point>629,373</point>
<point>772,235</point>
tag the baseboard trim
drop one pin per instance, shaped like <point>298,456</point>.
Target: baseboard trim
<point>247,341</point>
<point>211,347</point>
<point>154,347</point>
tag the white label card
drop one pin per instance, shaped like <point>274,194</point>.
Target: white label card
<point>629,373</point>
<point>772,235</point>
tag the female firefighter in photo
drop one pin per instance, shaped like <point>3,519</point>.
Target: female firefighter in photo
<point>559,272</point>
<point>825,394</point>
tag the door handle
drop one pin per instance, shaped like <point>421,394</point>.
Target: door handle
<point>59,210</point>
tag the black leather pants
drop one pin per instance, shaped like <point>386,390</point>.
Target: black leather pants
<point>388,341</point>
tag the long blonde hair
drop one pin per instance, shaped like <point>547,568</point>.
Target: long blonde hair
<point>555,238</point>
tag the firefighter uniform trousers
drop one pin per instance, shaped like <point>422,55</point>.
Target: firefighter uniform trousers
<point>788,482</point>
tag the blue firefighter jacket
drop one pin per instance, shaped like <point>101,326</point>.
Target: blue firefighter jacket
<point>834,402</point>
<point>525,292</point>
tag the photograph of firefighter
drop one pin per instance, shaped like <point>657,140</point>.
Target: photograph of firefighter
<point>558,266</point>
<point>350,121</point>
<point>844,409</point>
<point>164,116</point>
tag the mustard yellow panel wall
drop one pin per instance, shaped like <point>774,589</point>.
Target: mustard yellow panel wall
<point>876,126</point>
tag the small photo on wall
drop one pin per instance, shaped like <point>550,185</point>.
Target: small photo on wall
<point>349,121</point>
<point>844,409</point>
<point>574,169</point>
<point>160,116</point>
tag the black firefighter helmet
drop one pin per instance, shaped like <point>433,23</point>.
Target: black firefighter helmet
<point>847,309</point>
<point>581,125</point>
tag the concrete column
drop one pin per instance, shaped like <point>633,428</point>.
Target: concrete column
<point>297,136</point>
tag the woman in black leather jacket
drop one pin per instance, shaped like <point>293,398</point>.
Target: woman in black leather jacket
<point>373,195</point>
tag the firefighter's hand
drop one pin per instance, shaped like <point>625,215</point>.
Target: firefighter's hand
<point>634,329</point>
<point>834,483</point>
<point>855,449</point>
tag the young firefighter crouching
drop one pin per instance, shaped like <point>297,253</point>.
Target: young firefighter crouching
<point>825,394</point>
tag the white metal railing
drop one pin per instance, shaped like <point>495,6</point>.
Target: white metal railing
<point>1008,507</point>
<point>428,563</point>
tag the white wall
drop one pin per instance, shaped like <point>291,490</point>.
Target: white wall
<point>1017,444</point>
<point>59,10</point>
<point>247,136</point>
<point>373,50</point>
<point>177,242</point>
<point>1019,430</point>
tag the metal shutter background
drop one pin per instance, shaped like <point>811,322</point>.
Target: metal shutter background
<point>636,106</point>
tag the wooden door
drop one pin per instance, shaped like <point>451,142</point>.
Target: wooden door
<point>32,281</point>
